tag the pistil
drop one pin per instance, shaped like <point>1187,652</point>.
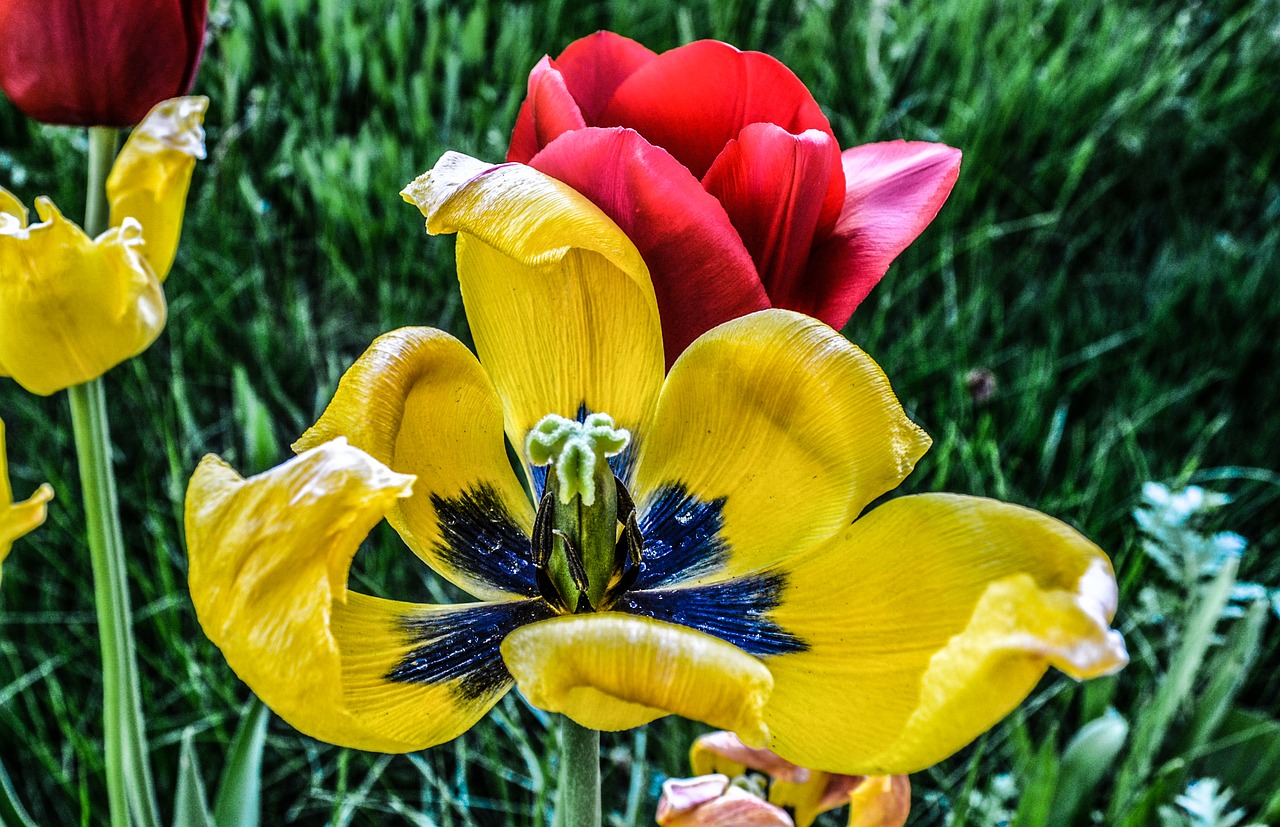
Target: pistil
<point>576,534</point>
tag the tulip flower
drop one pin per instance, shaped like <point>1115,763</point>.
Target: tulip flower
<point>98,62</point>
<point>17,519</point>
<point>73,307</point>
<point>687,544</point>
<point>801,794</point>
<point>721,168</point>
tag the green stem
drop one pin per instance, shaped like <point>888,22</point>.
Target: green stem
<point>579,799</point>
<point>129,784</point>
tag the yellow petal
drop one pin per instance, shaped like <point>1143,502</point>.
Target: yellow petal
<point>13,215</point>
<point>71,307</point>
<point>557,297</point>
<point>150,177</point>
<point>17,519</point>
<point>269,560</point>
<point>809,799</point>
<point>792,427</point>
<point>880,801</point>
<point>927,621</point>
<point>612,671</point>
<point>419,402</point>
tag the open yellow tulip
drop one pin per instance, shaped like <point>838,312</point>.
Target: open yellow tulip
<point>73,307</point>
<point>739,585</point>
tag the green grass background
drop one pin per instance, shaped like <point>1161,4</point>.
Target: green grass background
<point>1110,253</point>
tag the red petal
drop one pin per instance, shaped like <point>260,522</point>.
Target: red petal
<point>596,65</point>
<point>893,191</point>
<point>693,100</point>
<point>772,185</point>
<point>547,112</point>
<point>98,64</point>
<point>702,274</point>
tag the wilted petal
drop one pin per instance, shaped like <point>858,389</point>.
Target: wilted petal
<point>702,274</point>
<point>710,801</point>
<point>71,307</point>
<point>927,621</point>
<point>613,671</point>
<point>880,801</point>
<point>724,752</point>
<point>17,519</point>
<point>152,173</point>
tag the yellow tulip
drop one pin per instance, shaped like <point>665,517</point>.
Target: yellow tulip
<point>72,307</point>
<point>746,588</point>
<point>17,519</point>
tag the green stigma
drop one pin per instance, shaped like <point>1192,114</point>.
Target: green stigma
<point>576,449</point>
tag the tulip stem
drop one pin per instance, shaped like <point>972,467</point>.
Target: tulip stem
<point>579,799</point>
<point>129,785</point>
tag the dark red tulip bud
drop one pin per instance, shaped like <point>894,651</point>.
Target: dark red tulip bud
<point>98,62</point>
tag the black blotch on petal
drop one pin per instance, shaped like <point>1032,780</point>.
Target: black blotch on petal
<point>736,611</point>
<point>681,537</point>
<point>463,645</point>
<point>479,538</point>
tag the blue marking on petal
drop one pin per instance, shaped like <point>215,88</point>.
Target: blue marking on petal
<point>462,644</point>
<point>682,537</point>
<point>736,611</point>
<point>480,538</point>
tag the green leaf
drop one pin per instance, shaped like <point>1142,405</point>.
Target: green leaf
<point>1153,722</point>
<point>240,789</point>
<point>1085,762</point>
<point>1245,753</point>
<point>254,420</point>
<point>189,808</point>
<point>1228,670</point>
<point>1036,805</point>
<point>12,813</point>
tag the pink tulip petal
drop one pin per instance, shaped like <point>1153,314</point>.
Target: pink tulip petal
<point>596,65</point>
<point>894,190</point>
<point>547,112</point>
<point>702,274</point>
<point>709,801</point>
<point>772,184</point>
<point>693,100</point>
<point>729,746</point>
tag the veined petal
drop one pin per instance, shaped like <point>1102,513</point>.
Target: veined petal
<point>926,622</point>
<point>71,307</point>
<point>269,561</point>
<point>789,463</point>
<point>17,519</point>
<point>772,185</point>
<point>558,299</point>
<point>702,274</point>
<point>894,190</point>
<point>152,173</point>
<point>719,90</point>
<point>419,402</point>
<point>613,671</point>
<point>547,112</point>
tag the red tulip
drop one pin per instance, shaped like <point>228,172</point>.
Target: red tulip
<point>722,169</point>
<point>98,62</point>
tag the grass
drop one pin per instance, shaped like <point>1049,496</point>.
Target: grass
<point>1109,255</point>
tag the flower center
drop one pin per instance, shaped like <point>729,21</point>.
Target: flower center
<point>583,561</point>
